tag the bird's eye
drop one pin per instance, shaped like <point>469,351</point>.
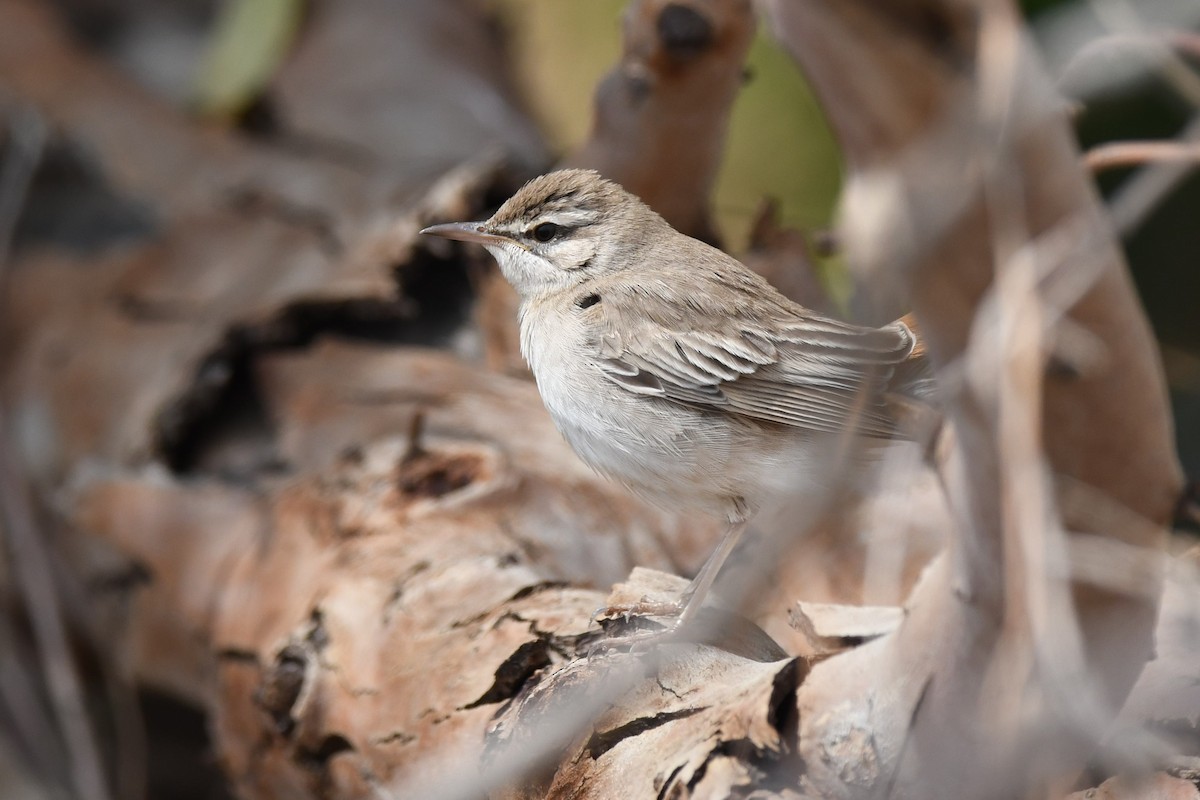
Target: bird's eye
<point>545,232</point>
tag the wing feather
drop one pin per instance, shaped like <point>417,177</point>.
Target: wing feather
<point>769,360</point>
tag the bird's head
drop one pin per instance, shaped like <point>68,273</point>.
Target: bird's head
<point>560,230</point>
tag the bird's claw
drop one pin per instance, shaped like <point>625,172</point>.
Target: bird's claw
<point>631,627</point>
<point>642,608</point>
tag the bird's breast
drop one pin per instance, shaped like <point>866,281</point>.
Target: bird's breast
<point>675,455</point>
<point>613,430</point>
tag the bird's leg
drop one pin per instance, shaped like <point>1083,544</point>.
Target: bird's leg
<point>698,589</point>
<point>687,607</point>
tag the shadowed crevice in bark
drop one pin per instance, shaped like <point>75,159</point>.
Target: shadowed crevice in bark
<point>537,588</point>
<point>782,713</point>
<point>281,687</point>
<point>222,405</point>
<point>224,402</point>
<point>684,31</point>
<point>516,670</point>
<point>603,741</point>
<point>180,754</point>
<point>668,785</point>
<point>317,758</point>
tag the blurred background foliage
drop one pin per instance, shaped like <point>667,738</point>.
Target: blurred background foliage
<point>779,144</point>
<point>248,42</point>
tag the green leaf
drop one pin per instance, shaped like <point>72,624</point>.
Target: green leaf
<point>251,39</point>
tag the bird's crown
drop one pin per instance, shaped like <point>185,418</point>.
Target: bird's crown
<point>572,197</point>
<point>562,229</point>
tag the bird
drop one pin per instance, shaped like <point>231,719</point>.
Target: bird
<point>671,368</point>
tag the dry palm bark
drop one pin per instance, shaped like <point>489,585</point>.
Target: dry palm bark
<point>378,575</point>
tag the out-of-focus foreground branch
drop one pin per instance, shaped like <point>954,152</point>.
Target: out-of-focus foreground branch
<point>967,190</point>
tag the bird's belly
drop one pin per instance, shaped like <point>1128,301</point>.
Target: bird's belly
<point>627,451</point>
<point>675,456</point>
<point>625,436</point>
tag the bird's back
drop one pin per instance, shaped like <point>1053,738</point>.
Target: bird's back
<point>700,387</point>
<point>696,327</point>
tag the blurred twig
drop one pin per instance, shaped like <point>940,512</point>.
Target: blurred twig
<point>1123,20</point>
<point>32,571</point>
<point>24,143</point>
<point>1144,191</point>
<point>1139,196</point>
<point>1114,155</point>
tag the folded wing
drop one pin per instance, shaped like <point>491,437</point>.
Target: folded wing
<point>764,358</point>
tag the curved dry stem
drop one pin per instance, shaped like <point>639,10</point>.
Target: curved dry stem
<point>1115,155</point>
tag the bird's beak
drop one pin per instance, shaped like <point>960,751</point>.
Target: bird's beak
<point>465,232</point>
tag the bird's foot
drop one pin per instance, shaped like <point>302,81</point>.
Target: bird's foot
<point>648,624</point>
<point>646,607</point>
<point>633,626</point>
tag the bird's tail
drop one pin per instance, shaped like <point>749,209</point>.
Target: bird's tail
<point>912,378</point>
<point>911,394</point>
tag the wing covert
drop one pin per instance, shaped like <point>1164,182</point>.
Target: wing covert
<point>775,364</point>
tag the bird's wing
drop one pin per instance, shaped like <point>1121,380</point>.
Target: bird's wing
<point>762,358</point>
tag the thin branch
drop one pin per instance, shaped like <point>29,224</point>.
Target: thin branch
<point>1114,155</point>
<point>1142,193</point>
<point>31,563</point>
<point>1121,17</point>
<point>26,139</point>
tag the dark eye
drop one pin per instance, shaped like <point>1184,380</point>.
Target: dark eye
<point>545,232</point>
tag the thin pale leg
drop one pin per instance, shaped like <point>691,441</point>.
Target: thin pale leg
<point>686,609</point>
<point>693,598</point>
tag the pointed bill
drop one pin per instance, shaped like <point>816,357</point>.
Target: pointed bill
<point>465,232</point>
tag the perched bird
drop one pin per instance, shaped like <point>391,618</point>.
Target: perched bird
<point>673,369</point>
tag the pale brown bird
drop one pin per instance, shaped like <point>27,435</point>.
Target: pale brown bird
<point>673,369</point>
